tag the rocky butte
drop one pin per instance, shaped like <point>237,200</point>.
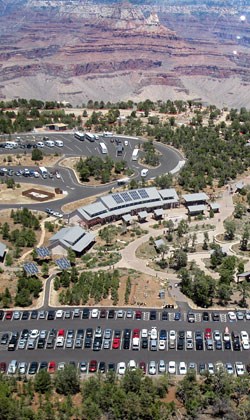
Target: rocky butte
<point>80,50</point>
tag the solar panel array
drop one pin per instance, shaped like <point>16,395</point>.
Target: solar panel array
<point>134,195</point>
<point>126,197</point>
<point>63,263</point>
<point>30,268</point>
<point>143,193</point>
<point>43,252</point>
<point>117,198</point>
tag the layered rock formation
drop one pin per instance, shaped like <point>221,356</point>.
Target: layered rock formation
<point>79,50</point>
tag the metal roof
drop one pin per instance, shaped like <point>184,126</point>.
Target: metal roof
<point>214,206</point>
<point>127,217</point>
<point>2,249</point>
<point>84,242</point>
<point>69,234</point>
<point>169,193</point>
<point>239,185</point>
<point>189,198</point>
<point>159,242</point>
<point>94,209</point>
<point>197,208</point>
<point>246,274</point>
<point>124,199</point>
<point>142,214</point>
<point>159,212</point>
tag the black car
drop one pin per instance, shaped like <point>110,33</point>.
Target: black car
<point>180,343</point>
<point>111,314</point>
<point>25,315</point>
<point>177,316</point>
<point>117,334</point>
<point>152,315</point>
<point>102,367</point>
<point>25,333</point>
<point>41,343</point>
<point>164,316</point>
<point>111,367</point>
<point>126,343</point>
<point>51,315</point>
<point>1,314</point>
<point>127,333</point>
<point>80,333</point>
<point>227,345</point>
<point>87,343</point>
<point>144,343</point>
<point>103,313</point>
<point>215,316</point>
<point>97,344</point>
<point>12,344</point>
<point>181,334</point>
<point>43,366</point>
<point>236,344</point>
<point>34,314</point>
<point>89,332</point>
<point>33,368</point>
<point>199,344</point>
<point>205,316</point>
<point>85,313</point>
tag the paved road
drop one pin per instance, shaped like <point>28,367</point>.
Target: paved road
<point>116,356</point>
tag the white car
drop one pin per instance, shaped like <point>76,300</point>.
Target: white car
<point>217,336</point>
<point>59,313</point>
<point>244,336</point>
<point>22,368</point>
<point>152,368</point>
<point>126,142</point>
<point>16,315</point>
<point>239,367</point>
<point>153,333</point>
<point>34,334</point>
<point>226,336</point>
<point>172,367</point>
<point>232,316</point>
<point>162,366</point>
<point>43,334</point>
<point>144,333</point>
<point>172,335</point>
<point>247,315</point>
<point>60,341</point>
<point>210,368</point>
<point>94,313</point>
<point>41,315</point>
<point>121,368</point>
<point>61,366</point>
<point>58,176</point>
<point>120,313</point>
<point>245,345</point>
<point>229,368</point>
<point>132,365</point>
<point>182,368</point>
<point>22,343</point>
<point>162,345</point>
<point>189,334</point>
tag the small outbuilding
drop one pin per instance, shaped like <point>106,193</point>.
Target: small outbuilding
<point>158,214</point>
<point>142,216</point>
<point>126,218</point>
<point>198,209</point>
<point>195,199</point>
<point>76,238</point>
<point>214,206</point>
<point>159,243</point>
<point>243,277</point>
<point>57,127</point>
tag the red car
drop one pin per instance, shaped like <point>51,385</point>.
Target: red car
<point>93,366</point>
<point>116,343</point>
<point>9,315</point>
<point>3,367</point>
<point>138,315</point>
<point>142,366</point>
<point>61,333</point>
<point>208,333</point>
<point>52,367</point>
<point>136,333</point>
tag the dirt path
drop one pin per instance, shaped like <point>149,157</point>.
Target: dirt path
<point>41,240</point>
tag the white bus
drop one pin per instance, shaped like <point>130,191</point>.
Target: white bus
<point>103,148</point>
<point>123,181</point>
<point>90,137</point>
<point>135,154</point>
<point>44,171</point>
<point>79,135</point>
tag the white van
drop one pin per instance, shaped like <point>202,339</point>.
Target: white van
<point>40,144</point>
<point>59,143</point>
<point>144,172</point>
<point>136,343</point>
<point>50,143</point>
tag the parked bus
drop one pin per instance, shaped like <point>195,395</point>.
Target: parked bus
<point>79,135</point>
<point>89,137</point>
<point>123,181</point>
<point>135,154</point>
<point>103,148</point>
<point>107,134</point>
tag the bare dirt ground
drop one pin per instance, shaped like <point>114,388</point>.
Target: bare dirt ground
<point>13,196</point>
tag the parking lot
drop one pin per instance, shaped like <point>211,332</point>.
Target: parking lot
<point>197,340</point>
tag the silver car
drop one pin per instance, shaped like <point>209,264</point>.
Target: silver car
<point>162,366</point>
<point>106,344</point>
<point>22,368</point>
<point>22,343</point>
<point>69,343</point>
<point>108,334</point>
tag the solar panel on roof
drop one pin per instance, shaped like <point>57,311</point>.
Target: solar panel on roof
<point>43,252</point>
<point>143,193</point>
<point>134,195</point>
<point>63,263</point>
<point>30,268</point>
<point>125,196</point>
<point>117,198</point>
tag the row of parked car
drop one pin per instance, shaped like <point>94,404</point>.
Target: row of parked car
<point>152,368</point>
